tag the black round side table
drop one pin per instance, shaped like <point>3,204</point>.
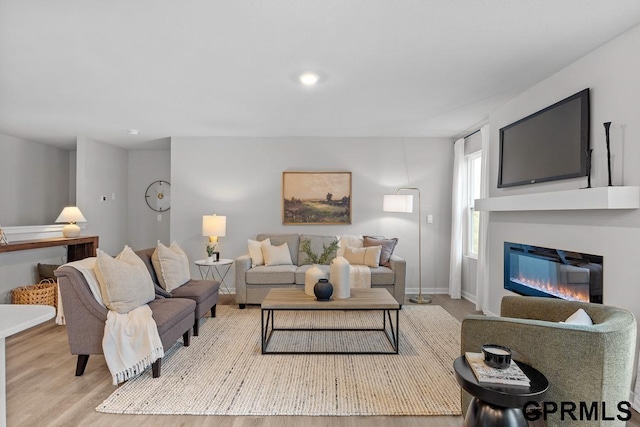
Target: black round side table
<point>498,405</point>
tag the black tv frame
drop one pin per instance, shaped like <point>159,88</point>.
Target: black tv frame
<point>583,95</point>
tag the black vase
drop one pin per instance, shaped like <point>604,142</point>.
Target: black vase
<point>323,290</point>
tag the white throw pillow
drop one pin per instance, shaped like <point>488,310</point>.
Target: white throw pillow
<point>277,255</point>
<point>580,317</point>
<point>171,265</point>
<point>348,240</point>
<point>125,282</point>
<point>255,251</point>
<point>369,256</point>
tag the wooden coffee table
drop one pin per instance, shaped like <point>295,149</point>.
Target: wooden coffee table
<point>290,299</point>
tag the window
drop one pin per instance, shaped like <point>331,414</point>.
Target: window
<point>474,168</point>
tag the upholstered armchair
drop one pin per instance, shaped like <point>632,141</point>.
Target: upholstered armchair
<point>582,363</point>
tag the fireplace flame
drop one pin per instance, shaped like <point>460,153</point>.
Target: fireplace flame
<point>560,290</point>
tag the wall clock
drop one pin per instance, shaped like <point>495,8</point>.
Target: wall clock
<point>158,196</point>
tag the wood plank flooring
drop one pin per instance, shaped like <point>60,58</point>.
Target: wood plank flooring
<point>42,389</point>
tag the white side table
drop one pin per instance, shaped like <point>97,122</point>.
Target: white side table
<point>15,318</point>
<point>219,268</point>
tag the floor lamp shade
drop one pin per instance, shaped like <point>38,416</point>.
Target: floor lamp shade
<point>398,203</point>
<point>71,215</point>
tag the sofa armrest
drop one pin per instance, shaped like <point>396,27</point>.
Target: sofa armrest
<point>242,265</point>
<point>399,267</point>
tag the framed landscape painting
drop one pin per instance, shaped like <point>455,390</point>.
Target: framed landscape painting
<point>316,198</point>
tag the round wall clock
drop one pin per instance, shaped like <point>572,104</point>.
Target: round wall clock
<point>158,196</point>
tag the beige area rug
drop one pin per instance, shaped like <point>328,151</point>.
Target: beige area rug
<point>223,371</point>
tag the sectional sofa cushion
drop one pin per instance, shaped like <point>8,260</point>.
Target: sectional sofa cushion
<point>125,283</point>
<point>171,265</point>
<point>274,275</point>
<point>388,245</point>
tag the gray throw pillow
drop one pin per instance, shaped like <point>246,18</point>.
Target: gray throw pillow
<point>388,245</point>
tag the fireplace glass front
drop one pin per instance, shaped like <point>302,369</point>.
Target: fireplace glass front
<point>537,271</point>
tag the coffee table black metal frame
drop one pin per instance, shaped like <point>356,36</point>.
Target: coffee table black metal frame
<point>499,405</point>
<point>390,327</point>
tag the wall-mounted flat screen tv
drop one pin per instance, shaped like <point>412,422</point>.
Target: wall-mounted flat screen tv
<point>548,145</point>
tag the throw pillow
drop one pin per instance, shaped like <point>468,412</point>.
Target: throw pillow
<point>124,281</point>
<point>45,271</point>
<point>580,317</point>
<point>348,240</point>
<point>255,251</point>
<point>363,256</point>
<point>277,255</point>
<point>171,265</point>
<point>387,248</point>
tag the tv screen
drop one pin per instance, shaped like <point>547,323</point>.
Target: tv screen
<point>548,145</point>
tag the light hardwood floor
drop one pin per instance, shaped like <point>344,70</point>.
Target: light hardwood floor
<point>43,391</point>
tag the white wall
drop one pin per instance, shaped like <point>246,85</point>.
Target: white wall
<point>102,170</point>
<point>35,182</point>
<point>242,179</point>
<point>143,225</point>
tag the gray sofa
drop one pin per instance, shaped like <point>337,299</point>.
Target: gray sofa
<point>85,318</point>
<point>253,283</point>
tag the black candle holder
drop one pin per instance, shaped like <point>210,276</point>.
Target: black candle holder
<point>607,125</point>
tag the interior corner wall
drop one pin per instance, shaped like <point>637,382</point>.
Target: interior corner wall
<point>102,170</point>
<point>145,226</point>
<point>242,179</point>
<point>611,74</point>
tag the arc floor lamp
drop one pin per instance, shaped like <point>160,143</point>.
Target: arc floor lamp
<point>403,203</point>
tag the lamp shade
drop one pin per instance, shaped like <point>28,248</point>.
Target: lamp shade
<point>398,203</point>
<point>214,225</point>
<point>71,215</point>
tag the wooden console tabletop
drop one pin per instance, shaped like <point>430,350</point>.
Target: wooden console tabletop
<point>77,247</point>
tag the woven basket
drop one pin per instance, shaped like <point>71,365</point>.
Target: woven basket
<point>43,293</point>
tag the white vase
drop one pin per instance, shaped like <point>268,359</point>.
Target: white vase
<point>340,277</point>
<point>311,277</point>
<point>210,259</point>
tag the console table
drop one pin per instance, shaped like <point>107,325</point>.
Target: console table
<point>77,247</point>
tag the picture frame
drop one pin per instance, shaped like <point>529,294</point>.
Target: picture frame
<point>316,198</point>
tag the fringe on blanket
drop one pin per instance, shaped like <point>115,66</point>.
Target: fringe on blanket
<point>60,320</point>
<point>119,377</point>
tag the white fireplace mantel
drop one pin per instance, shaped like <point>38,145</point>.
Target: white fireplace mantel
<point>582,199</point>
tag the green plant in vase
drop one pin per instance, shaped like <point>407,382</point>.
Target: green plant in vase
<point>328,252</point>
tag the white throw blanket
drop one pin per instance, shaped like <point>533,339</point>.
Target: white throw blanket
<point>131,341</point>
<point>360,276</point>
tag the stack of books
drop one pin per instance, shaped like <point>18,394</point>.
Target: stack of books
<point>485,374</point>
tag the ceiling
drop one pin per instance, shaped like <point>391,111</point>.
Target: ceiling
<point>97,68</point>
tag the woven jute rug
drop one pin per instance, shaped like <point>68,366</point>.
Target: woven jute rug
<point>223,371</point>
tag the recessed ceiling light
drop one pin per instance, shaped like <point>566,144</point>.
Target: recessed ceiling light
<point>309,78</point>
<point>133,131</point>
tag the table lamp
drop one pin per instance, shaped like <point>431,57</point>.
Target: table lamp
<point>71,215</point>
<point>214,226</point>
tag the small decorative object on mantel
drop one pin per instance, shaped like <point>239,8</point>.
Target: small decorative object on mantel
<point>323,290</point>
<point>3,238</point>
<point>607,125</point>
<point>589,154</point>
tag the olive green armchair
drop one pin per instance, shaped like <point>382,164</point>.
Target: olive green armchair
<point>582,363</point>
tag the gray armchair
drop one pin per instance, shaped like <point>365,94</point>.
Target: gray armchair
<point>582,363</point>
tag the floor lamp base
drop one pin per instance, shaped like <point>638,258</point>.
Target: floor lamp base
<point>420,300</point>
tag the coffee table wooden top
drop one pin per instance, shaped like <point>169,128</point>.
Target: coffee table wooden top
<point>361,299</point>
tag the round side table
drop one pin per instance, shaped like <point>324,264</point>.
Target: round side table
<point>498,405</point>
<point>219,268</point>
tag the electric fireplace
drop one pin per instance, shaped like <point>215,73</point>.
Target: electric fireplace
<point>546,272</point>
